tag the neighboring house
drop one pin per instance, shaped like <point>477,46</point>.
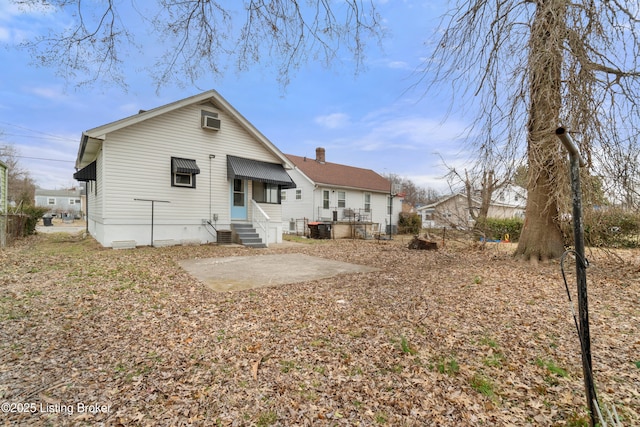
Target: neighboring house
<point>331,192</point>
<point>509,201</point>
<point>449,211</point>
<point>181,174</point>
<point>62,202</point>
<point>453,210</point>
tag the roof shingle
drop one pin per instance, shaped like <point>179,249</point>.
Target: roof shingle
<point>334,174</point>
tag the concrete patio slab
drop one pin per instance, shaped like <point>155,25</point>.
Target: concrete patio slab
<point>249,272</point>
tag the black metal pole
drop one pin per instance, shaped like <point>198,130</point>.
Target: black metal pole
<point>152,209</point>
<point>581,271</point>
<point>86,207</point>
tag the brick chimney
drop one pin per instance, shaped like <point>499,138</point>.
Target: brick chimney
<point>320,158</point>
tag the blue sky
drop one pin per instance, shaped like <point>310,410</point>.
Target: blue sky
<point>372,120</point>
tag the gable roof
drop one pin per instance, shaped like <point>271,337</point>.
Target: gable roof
<point>474,200</point>
<point>444,199</point>
<point>334,174</point>
<point>92,138</point>
<point>62,193</point>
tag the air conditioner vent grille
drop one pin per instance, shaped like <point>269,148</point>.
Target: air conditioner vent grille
<point>210,120</point>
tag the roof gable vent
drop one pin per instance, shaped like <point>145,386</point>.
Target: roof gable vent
<point>210,120</point>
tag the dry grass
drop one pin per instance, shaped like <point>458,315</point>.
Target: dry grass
<point>454,337</point>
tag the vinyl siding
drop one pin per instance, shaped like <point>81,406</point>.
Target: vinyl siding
<point>95,192</point>
<point>311,204</point>
<point>135,163</point>
<point>298,209</point>
<point>96,205</point>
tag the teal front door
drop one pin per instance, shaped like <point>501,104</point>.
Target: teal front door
<point>239,199</point>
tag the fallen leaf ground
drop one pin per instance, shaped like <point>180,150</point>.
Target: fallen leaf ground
<point>449,338</point>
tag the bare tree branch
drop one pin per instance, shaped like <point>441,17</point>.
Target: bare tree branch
<point>201,39</point>
<point>524,68</point>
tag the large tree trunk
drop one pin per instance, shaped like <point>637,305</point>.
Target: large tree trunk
<point>541,237</point>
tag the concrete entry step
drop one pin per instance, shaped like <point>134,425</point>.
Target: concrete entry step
<point>246,235</point>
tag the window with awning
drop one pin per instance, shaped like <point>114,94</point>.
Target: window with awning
<point>183,172</point>
<point>185,166</point>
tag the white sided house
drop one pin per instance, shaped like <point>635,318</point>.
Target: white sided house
<point>507,202</point>
<point>191,172</point>
<point>338,194</point>
<point>453,210</point>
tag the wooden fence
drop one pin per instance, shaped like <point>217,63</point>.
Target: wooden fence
<point>12,227</point>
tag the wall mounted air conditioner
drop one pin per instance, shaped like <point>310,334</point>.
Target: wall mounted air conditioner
<point>210,122</point>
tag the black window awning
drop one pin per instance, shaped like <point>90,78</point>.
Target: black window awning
<point>179,165</point>
<point>255,170</point>
<point>87,173</point>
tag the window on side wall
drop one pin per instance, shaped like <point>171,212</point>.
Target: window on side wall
<point>183,180</point>
<point>367,202</point>
<point>266,193</point>
<point>325,199</point>
<point>342,199</point>
<point>183,172</point>
<point>299,194</point>
<point>51,200</point>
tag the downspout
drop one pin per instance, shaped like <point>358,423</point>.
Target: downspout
<point>313,199</point>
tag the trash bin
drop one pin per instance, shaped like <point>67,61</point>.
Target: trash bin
<point>319,230</point>
<point>47,220</point>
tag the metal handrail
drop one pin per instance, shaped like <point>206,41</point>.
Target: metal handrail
<point>260,216</point>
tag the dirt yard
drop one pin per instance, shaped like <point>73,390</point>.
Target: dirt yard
<point>92,336</point>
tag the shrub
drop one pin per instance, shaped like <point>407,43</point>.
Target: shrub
<point>409,223</point>
<point>610,227</point>
<point>495,229</point>
<point>32,215</point>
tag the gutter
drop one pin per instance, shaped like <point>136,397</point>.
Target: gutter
<point>83,146</point>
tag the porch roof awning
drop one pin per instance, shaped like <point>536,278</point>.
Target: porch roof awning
<point>87,173</point>
<point>255,170</point>
<point>179,165</point>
